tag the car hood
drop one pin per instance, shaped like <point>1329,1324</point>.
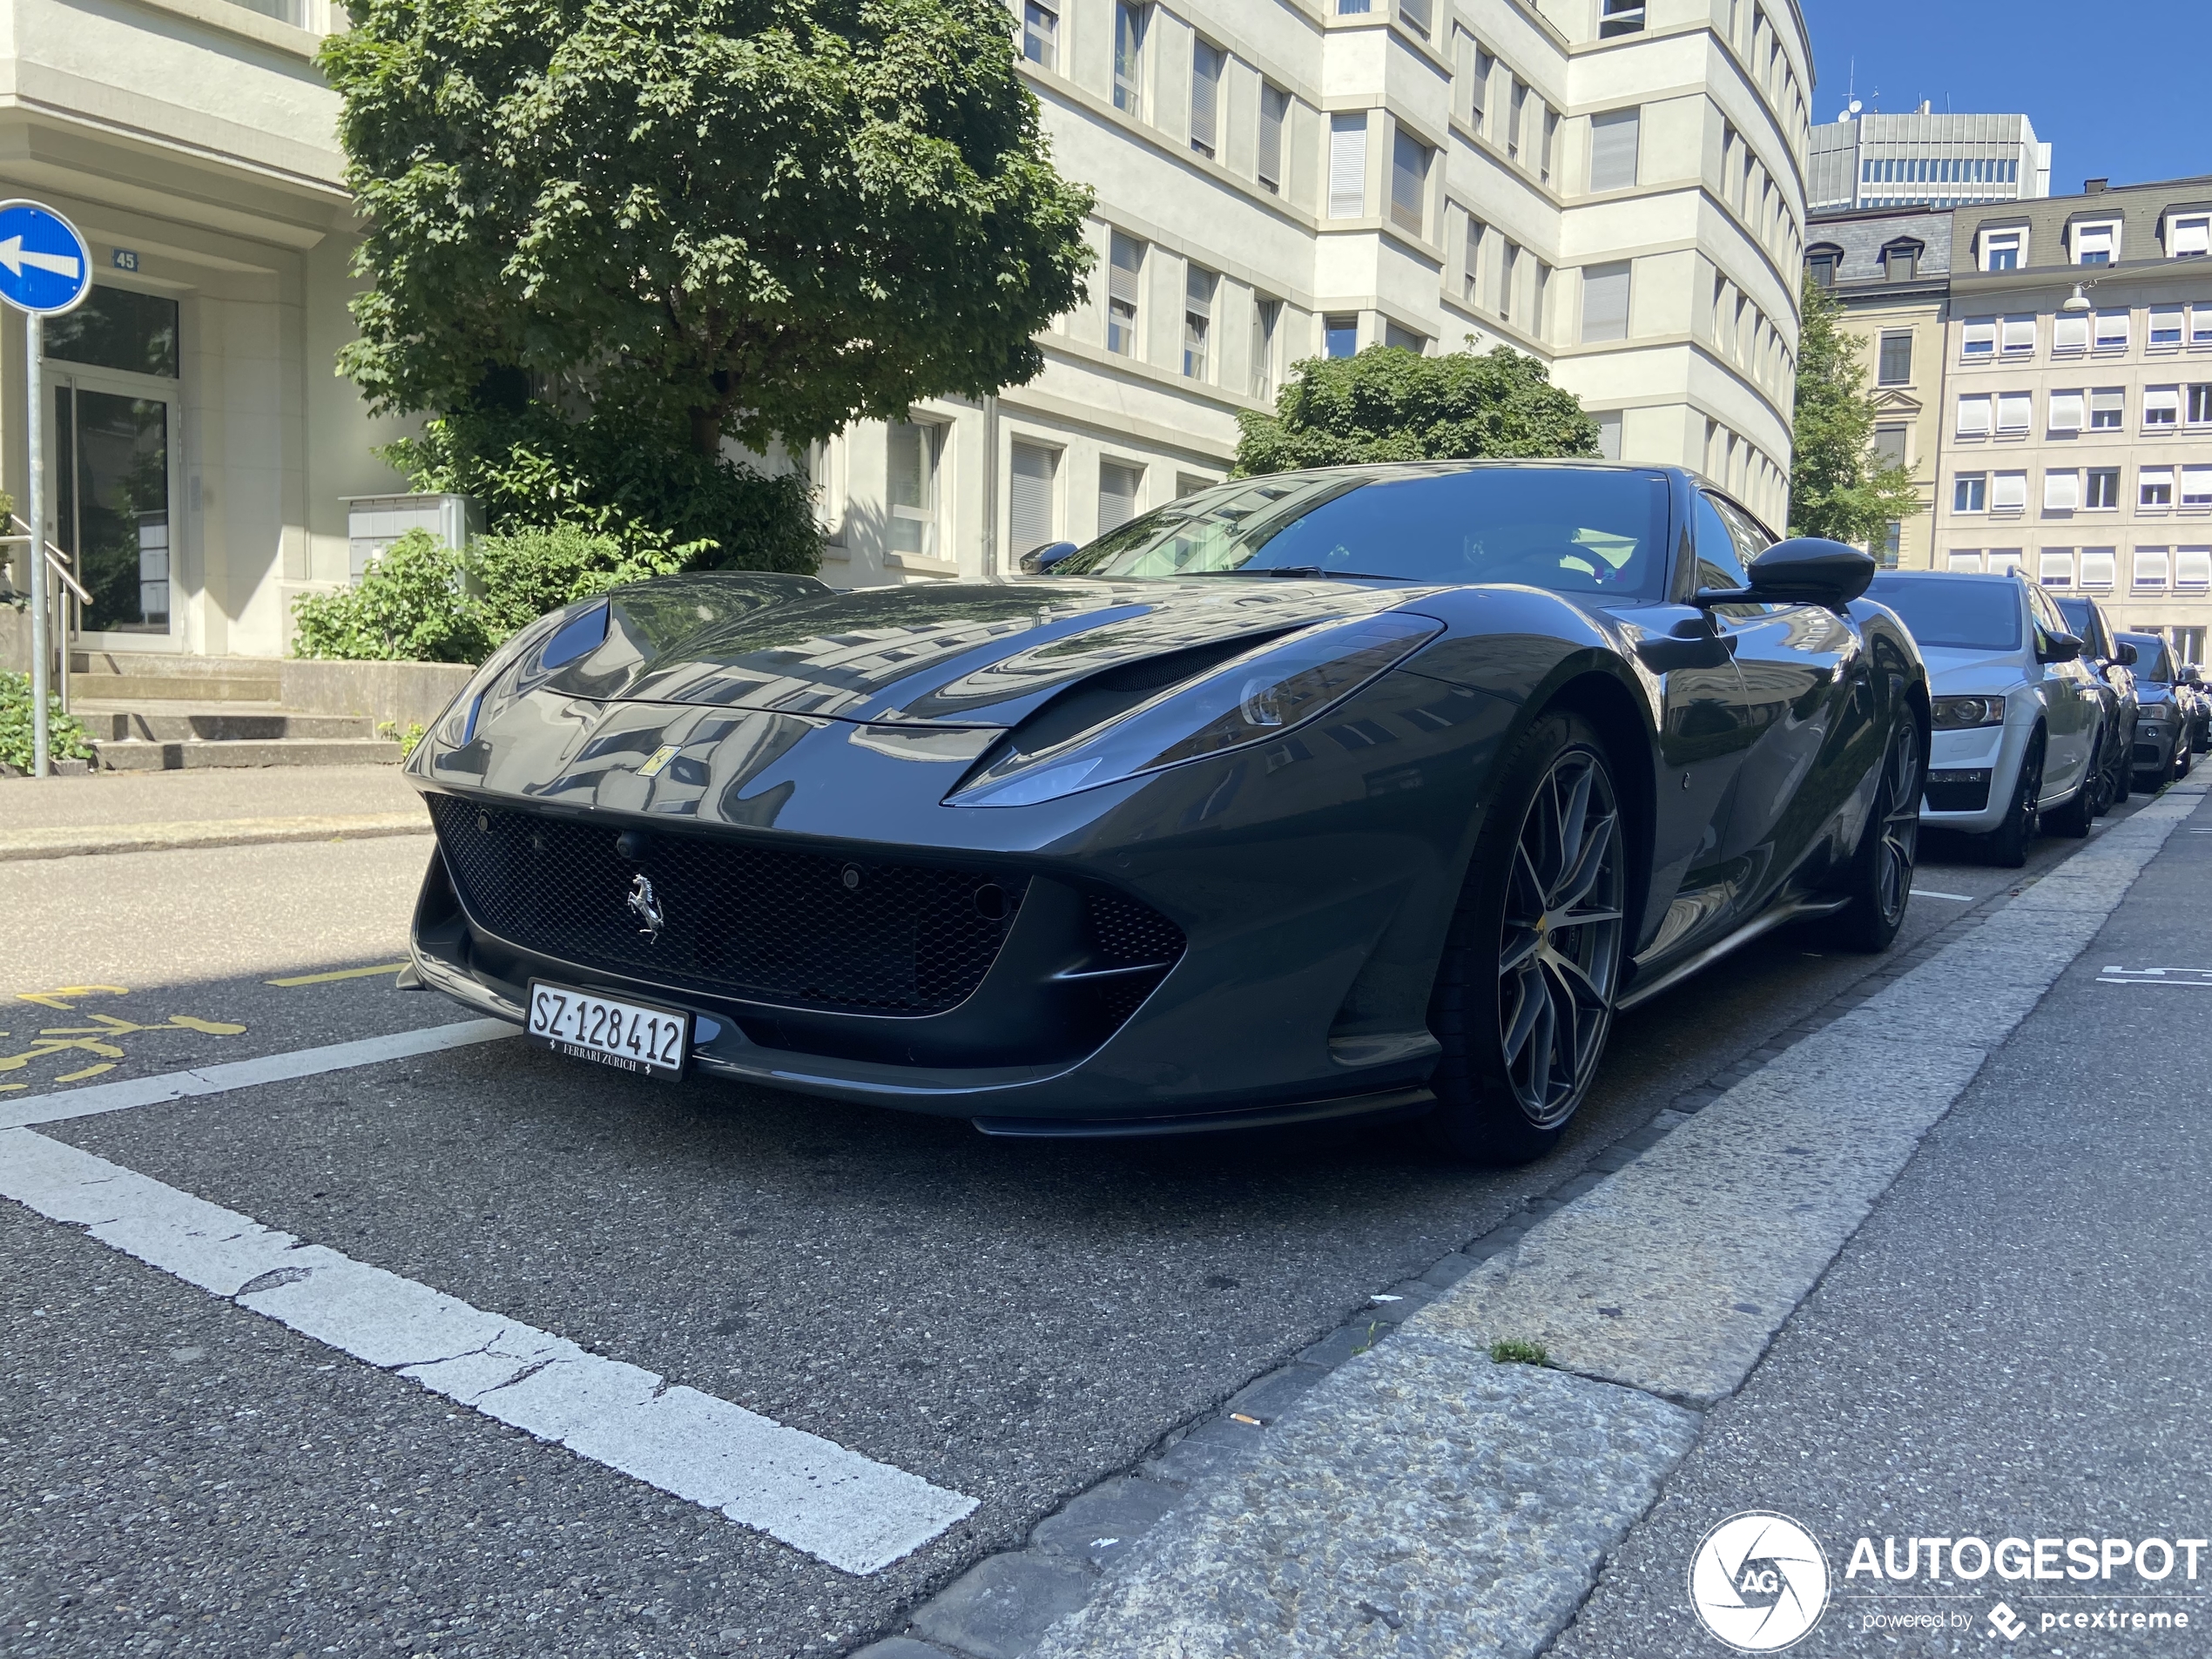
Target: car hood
<point>970,654</point>
<point>1953,672</point>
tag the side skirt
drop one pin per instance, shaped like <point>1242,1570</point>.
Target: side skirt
<point>1643,990</point>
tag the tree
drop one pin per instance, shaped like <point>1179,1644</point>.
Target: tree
<point>613,234</point>
<point>1839,488</point>
<point>1391,404</point>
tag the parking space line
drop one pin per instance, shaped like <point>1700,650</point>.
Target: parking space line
<point>1956,898</point>
<point>343,973</point>
<point>244,1073</point>
<point>813,1494</point>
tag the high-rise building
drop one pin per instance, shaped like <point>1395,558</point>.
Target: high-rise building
<point>1925,160</point>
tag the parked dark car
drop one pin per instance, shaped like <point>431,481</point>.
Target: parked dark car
<point>2162,749</point>
<point>2199,702</point>
<point>1371,791</point>
<point>2113,661</point>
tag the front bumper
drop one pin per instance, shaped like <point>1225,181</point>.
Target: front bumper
<point>1980,760</point>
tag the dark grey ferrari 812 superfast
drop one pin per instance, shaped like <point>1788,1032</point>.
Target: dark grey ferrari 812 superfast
<point>1369,791</point>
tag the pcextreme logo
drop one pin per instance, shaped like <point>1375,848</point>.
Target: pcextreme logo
<point>1759,1581</point>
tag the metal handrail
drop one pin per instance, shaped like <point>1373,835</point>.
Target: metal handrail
<point>57,560</point>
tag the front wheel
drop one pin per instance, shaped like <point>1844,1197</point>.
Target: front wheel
<point>2080,811</point>
<point>1881,876</point>
<point>2008,843</point>
<point>1525,992</point>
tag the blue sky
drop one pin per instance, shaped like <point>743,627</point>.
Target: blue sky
<point>2117,89</point>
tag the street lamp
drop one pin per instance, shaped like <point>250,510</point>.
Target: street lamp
<point>2079,299</point>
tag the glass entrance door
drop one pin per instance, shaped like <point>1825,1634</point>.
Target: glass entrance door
<point>112,501</point>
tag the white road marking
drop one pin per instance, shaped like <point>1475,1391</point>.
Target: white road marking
<point>841,1507</point>
<point>2113,974</point>
<point>1956,898</point>
<point>244,1073</point>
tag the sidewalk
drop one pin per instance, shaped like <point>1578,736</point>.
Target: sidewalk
<point>44,818</point>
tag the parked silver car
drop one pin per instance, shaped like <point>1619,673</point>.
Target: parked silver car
<point>2020,719</point>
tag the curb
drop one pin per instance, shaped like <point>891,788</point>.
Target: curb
<point>73,841</point>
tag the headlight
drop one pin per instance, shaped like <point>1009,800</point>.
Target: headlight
<point>1957,713</point>
<point>1247,700</point>
<point>552,642</point>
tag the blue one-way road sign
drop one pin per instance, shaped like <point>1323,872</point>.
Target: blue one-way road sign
<point>44,265</point>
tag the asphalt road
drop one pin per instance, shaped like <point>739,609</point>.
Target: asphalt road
<point>1010,1321</point>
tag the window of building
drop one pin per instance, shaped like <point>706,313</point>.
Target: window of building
<point>1129,59</point>
<point>1474,65</point>
<point>2065,411</point>
<point>1963,558</point>
<point>1030,505</point>
<point>1540,305</point>
<point>2193,568</point>
<point>1509,281</point>
<point>1608,433</point>
<point>1341,336</point>
<point>1197,321</point>
<point>2112,331</point>
<point>915,449</point>
<point>117,328</point>
<point>2062,491</point>
<point>1978,337</point>
<point>1354,8</point>
<point>1820,266</point>
<point>1550,146</point>
<point>2009,492</point>
<point>2019,336</point>
<point>2152,565</point>
<point>2154,487</point>
<point>1274,108</point>
<point>1614,140</point>
<point>1347,165</point>
<point>2200,325</point>
<point>1620,17</point>
<point>2108,408</point>
<point>2015,411</point>
<point>1901,261</point>
<point>1974,416</point>
<point>1404,338</point>
<point>1267,317</point>
<point>2003,559</point>
<point>2199,404</point>
<point>1041,35</point>
<point>1414,15</point>
<point>2190,238</point>
<point>1124,279</point>
<point>2055,568</point>
<point>2099,566</point>
<point>2095,244</point>
<point>1516,120</point>
<point>2161,407</point>
<point>1889,444</point>
<point>1476,232</point>
<point>1121,485</point>
<point>1893,544</point>
<point>1605,301</point>
<point>1190,483</point>
<point>1206,64</point>
<point>2002,250</point>
<point>2165,326</point>
<point>1409,160</point>
<point>2196,486</point>
<point>1970,493</point>
<point>2069,332</point>
<point>2103,487</point>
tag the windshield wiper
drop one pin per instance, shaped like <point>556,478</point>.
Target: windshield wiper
<point>1309,572</point>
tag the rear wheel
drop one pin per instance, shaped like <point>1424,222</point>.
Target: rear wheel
<point>1524,994</point>
<point>1881,879</point>
<point>2008,843</point>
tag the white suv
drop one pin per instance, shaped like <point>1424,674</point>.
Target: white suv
<point>2017,715</point>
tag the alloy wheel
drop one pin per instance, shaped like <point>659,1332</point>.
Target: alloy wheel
<point>1899,846</point>
<point>1559,951</point>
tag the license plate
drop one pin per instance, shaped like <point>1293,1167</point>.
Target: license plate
<point>608,1031</point>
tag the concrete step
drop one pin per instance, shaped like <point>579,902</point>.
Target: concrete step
<point>216,722</point>
<point>139,754</point>
<point>196,688</point>
<point>169,665</point>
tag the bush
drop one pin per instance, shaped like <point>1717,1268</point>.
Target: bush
<point>66,739</point>
<point>527,572</point>
<point>412,604</point>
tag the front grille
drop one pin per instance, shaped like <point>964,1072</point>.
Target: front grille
<point>1954,790</point>
<point>766,925</point>
<point>1125,934</point>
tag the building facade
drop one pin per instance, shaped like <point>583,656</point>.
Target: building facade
<point>2078,402</point>
<point>1925,160</point>
<point>1616,187</point>
<point>1891,270</point>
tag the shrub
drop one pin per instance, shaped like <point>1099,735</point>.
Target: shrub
<point>66,739</point>
<point>529,571</point>
<point>412,604</point>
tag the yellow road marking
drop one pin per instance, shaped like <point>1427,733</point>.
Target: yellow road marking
<point>89,1072</point>
<point>59,1039</point>
<point>343,973</point>
<point>53,999</point>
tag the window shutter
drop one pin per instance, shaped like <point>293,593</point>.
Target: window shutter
<point>2112,328</point>
<point>1347,167</point>
<point>1612,149</point>
<point>2019,334</point>
<point>1274,103</point>
<point>2056,570</point>
<point>2196,486</point>
<point>2193,566</point>
<point>1118,487</point>
<point>1962,559</point>
<point>1205,94</point>
<point>1030,506</point>
<point>2097,567</point>
<point>1973,416</point>
<point>2154,487</point>
<point>2104,402</point>
<point>2065,412</point>
<point>2070,332</point>
<point>2190,236</point>
<point>2162,405</point>
<point>2166,325</point>
<point>2091,239</point>
<point>1980,339</point>
<point>2151,568</point>
<point>1127,261</point>
<point>2015,411</point>
<point>2002,559</point>
<point>2009,492</point>
<point>1408,180</point>
<point>1605,301</point>
<point>2062,490</point>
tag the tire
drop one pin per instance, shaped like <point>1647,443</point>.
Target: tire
<point>2078,812</point>
<point>2184,756</point>
<point>1881,870</point>
<point>1523,1021</point>
<point>2123,768</point>
<point>2008,844</point>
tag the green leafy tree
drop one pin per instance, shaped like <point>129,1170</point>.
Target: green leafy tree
<point>1390,404</point>
<point>1838,486</point>
<point>699,218</point>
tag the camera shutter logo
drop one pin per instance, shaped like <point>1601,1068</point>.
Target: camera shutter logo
<point>1759,1581</point>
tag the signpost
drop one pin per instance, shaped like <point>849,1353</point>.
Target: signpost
<point>45,269</point>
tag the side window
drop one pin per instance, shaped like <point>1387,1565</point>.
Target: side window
<point>1719,562</point>
<point>1751,539</point>
<point>2047,618</point>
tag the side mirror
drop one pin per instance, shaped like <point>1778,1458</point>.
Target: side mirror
<point>2128,654</point>
<point>2059,648</point>
<point>1038,561</point>
<point>1806,570</point>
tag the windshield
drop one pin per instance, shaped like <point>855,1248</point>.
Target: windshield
<point>1954,613</point>
<point>1569,530</point>
<point>2151,662</point>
